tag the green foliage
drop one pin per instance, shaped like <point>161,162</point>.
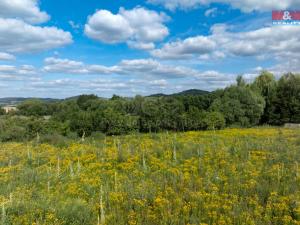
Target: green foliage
<point>12,129</point>
<point>286,105</point>
<point>214,121</point>
<point>75,212</point>
<point>55,140</point>
<point>195,119</point>
<point>240,106</point>
<point>21,128</point>
<point>2,112</point>
<point>36,108</point>
<point>265,101</point>
<point>84,101</point>
<point>150,114</point>
<point>240,81</point>
<point>265,84</point>
<point>114,123</point>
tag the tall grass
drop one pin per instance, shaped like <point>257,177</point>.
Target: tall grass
<point>234,176</point>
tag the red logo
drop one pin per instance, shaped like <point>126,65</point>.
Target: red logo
<point>286,15</point>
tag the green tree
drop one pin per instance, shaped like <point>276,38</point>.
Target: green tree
<point>265,84</point>
<point>83,101</point>
<point>240,106</point>
<point>149,115</point>
<point>116,123</point>
<point>170,114</point>
<point>33,108</point>
<point>82,123</point>
<point>287,102</point>
<point>214,121</point>
<point>240,81</point>
<point>195,119</point>
<point>2,112</point>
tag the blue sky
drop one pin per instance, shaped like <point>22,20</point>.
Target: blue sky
<point>62,48</point>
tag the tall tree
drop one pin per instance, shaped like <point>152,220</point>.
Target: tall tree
<point>240,106</point>
<point>287,101</point>
<point>265,84</point>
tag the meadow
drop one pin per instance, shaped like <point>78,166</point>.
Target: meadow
<point>234,176</point>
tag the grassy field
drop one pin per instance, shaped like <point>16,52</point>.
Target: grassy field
<point>235,176</point>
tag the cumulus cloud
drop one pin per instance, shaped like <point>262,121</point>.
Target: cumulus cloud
<point>23,72</point>
<point>243,5</point>
<point>284,66</point>
<point>16,36</point>
<point>276,41</point>
<point>127,78</point>
<point>186,48</point>
<point>71,87</point>
<point>138,67</point>
<point>150,67</point>
<point>106,87</point>
<point>5,56</point>
<point>19,32</point>
<point>57,65</point>
<point>64,65</point>
<point>139,27</point>
<point>27,10</point>
<point>141,45</point>
<point>138,85</point>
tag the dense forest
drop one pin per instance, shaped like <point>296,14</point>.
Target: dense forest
<point>265,101</point>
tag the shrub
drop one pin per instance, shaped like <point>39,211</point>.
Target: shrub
<point>214,121</point>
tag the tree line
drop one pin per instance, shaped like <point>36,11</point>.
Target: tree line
<point>265,101</point>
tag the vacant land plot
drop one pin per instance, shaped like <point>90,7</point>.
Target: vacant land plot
<point>235,176</point>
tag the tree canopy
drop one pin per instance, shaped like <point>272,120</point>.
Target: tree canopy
<point>263,101</point>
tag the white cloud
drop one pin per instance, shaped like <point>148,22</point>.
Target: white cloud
<point>211,12</point>
<point>68,66</point>
<point>269,41</point>
<point>284,66</point>
<point>74,25</point>
<point>139,27</point>
<point>275,41</point>
<point>27,10</point>
<point>160,83</point>
<point>208,80</point>
<point>244,5</point>
<point>102,87</point>
<point>17,36</point>
<point>186,48</point>
<point>23,72</point>
<point>6,56</point>
<point>56,65</point>
<point>7,68</point>
<point>153,68</point>
<point>127,78</point>
<point>137,67</point>
<point>140,45</point>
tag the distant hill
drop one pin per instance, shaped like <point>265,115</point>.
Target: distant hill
<point>193,92</point>
<point>16,101</point>
<point>157,95</point>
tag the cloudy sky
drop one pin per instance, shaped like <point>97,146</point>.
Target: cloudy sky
<point>62,48</point>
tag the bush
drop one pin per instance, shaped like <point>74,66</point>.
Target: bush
<point>76,212</point>
<point>55,139</point>
<point>240,106</point>
<point>214,121</point>
<point>2,112</point>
